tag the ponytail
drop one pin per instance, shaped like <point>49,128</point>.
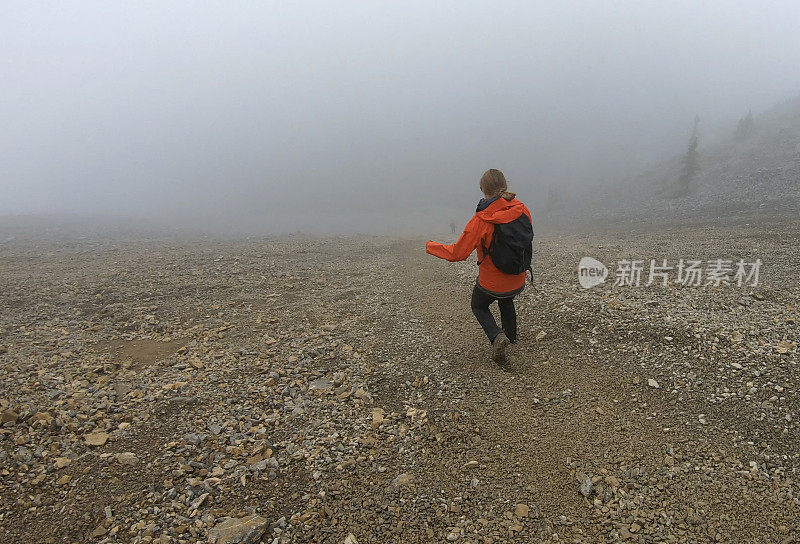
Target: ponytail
<point>508,195</point>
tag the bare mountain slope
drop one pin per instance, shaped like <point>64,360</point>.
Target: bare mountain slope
<point>747,173</point>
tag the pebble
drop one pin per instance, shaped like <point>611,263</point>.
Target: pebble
<point>245,530</point>
<point>126,458</point>
<point>61,462</point>
<point>585,483</point>
<point>96,438</point>
<point>403,480</point>
<point>9,416</point>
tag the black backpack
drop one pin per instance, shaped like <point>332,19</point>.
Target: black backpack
<point>511,247</point>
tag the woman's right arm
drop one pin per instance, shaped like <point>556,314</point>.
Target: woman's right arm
<point>465,245</point>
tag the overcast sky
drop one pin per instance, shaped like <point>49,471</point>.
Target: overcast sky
<point>335,111</point>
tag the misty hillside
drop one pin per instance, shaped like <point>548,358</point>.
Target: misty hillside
<point>747,167</point>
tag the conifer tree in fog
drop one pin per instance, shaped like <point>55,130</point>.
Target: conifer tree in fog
<point>744,128</point>
<point>691,165</point>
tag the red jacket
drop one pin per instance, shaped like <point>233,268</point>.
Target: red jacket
<point>478,235</point>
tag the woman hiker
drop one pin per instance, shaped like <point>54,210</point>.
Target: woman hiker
<point>508,245</point>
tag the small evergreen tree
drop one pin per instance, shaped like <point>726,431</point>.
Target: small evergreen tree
<point>691,165</point>
<point>744,128</point>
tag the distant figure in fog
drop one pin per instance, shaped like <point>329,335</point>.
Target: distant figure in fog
<point>452,227</point>
<point>501,230</point>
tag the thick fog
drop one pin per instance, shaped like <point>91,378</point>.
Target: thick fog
<point>277,116</point>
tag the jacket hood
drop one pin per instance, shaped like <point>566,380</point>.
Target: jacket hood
<point>500,210</point>
<point>484,203</point>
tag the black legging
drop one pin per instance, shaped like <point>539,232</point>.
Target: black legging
<point>508,315</point>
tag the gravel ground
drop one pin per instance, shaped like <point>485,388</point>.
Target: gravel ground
<point>339,390</point>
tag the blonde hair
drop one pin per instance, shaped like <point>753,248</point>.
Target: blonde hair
<point>494,184</point>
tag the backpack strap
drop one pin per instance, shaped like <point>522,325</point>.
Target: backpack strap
<point>487,251</point>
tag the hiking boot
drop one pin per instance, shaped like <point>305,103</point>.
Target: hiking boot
<point>499,345</point>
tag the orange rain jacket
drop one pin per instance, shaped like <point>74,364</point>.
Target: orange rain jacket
<point>478,235</point>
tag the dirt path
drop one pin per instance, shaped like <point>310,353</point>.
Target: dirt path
<point>563,412</point>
